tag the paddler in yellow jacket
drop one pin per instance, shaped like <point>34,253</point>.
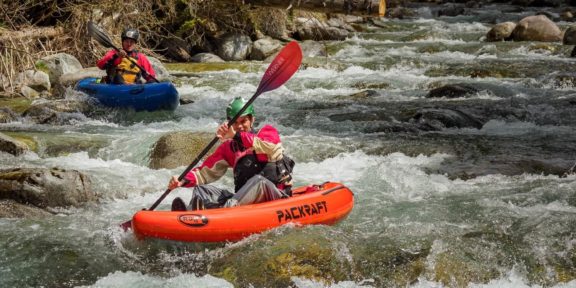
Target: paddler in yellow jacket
<point>119,68</point>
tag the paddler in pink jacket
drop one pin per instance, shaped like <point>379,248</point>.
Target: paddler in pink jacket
<point>261,170</point>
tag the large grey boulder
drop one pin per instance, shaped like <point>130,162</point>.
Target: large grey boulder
<point>59,64</point>
<point>235,47</point>
<point>265,47</point>
<point>57,112</point>
<point>435,119</point>
<point>12,209</point>
<point>35,79</point>
<point>162,73</point>
<point>206,58</point>
<point>178,149</point>
<point>44,187</point>
<point>500,32</point>
<point>176,49</point>
<point>536,28</point>
<point>314,29</point>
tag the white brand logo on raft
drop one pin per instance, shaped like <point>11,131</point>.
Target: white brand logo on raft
<point>302,211</point>
<point>193,220</point>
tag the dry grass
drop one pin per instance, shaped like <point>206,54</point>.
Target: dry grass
<point>199,22</point>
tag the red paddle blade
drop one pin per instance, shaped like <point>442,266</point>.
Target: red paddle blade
<point>282,68</point>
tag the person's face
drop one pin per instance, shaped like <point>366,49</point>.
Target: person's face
<point>243,123</point>
<point>128,44</point>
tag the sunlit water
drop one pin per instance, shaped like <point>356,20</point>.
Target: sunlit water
<point>413,223</point>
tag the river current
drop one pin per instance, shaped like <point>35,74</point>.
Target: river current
<point>487,205</point>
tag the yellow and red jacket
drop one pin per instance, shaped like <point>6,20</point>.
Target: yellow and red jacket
<point>111,60</point>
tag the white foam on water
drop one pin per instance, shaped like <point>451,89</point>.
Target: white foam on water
<point>205,91</point>
<point>400,177</point>
<point>307,283</point>
<point>138,280</point>
<point>317,73</point>
<point>114,178</point>
<point>404,51</point>
<point>534,53</point>
<point>436,39</point>
<point>358,39</point>
<point>467,27</point>
<point>353,51</point>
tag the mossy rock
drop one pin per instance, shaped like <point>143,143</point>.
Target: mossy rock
<point>178,149</point>
<point>25,139</point>
<point>52,145</point>
<point>390,263</point>
<point>454,270</point>
<point>18,104</point>
<point>273,261</point>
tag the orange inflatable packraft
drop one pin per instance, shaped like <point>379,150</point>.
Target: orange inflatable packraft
<point>324,204</point>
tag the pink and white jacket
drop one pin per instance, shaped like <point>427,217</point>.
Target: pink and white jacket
<point>265,144</point>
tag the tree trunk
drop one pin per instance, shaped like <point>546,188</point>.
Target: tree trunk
<point>32,33</point>
<point>355,7</point>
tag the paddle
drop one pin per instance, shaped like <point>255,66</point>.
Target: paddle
<point>280,70</point>
<point>102,38</point>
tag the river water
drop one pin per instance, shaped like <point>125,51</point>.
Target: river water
<point>436,205</point>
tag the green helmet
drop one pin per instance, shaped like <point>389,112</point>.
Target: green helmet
<point>235,106</point>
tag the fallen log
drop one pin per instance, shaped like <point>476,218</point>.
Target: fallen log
<point>31,33</point>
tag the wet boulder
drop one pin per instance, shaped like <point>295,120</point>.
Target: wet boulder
<point>12,209</point>
<point>339,23</point>
<point>178,149</point>
<point>564,80</point>
<point>440,118</point>
<point>314,29</point>
<point>452,10</point>
<point>275,262</point>
<point>11,145</point>
<point>500,32</point>
<point>7,115</point>
<point>264,48</point>
<point>452,91</point>
<point>206,58</point>
<point>176,49</point>
<point>567,16</point>
<point>33,82</point>
<point>57,112</point>
<point>46,187</point>
<point>235,47</point>
<point>536,28</point>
